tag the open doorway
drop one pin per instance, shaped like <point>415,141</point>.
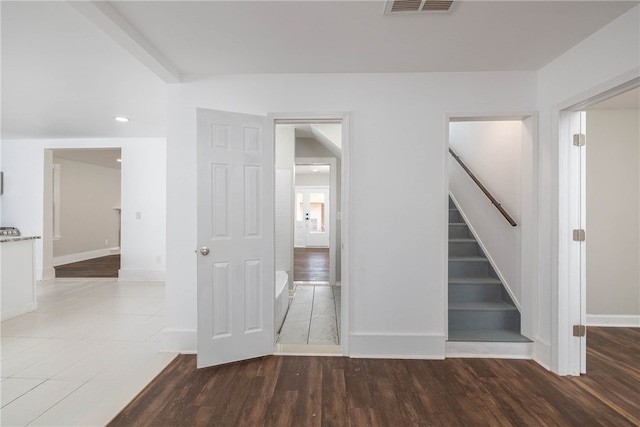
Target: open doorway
<point>308,237</point>
<point>490,239</point>
<point>85,212</point>
<point>599,163</point>
<point>613,217</point>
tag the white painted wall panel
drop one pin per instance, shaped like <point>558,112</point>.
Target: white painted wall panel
<point>398,183</point>
<point>283,218</point>
<point>613,212</point>
<point>143,191</point>
<point>285,147</point>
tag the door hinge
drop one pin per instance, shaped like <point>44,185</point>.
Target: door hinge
<point>579,139</point>
<point>579,331</point>
<point>579,235</point>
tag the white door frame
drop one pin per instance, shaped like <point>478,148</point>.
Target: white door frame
<point>568,288</point>
<point>345,201</point>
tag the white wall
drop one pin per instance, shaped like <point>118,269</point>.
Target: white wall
<point>144,204</point>
<point>88,196</point>
<point>493,151</point>
<point>613,215</point>
<point>1,222</point>
<point>608,57</point>
<point>397,146</point>
<point>285,147</point>
<point>284,203</point>
<point>143,190</point>
<point>309,147</point>
<point>309,180</point>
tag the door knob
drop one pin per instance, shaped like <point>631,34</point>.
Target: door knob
<point>204,250</point>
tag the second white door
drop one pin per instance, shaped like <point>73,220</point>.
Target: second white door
<point>312,217</point>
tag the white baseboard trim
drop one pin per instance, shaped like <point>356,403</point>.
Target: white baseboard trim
<point>490,350</point>
<point>114,251</point>
<point>542,354</point>
<point>47,274</point>
<point>184,341</point>
<point>141,275</point>
<point>80,256</point>
<point>18,311</point>
<point>397,346</point>
<point>616,320</point>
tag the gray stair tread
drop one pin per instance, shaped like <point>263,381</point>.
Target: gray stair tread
<point>457,223</point>
<point>487,335</point>
<point>467,258</point>
<point>473,280</point>
<point>462,240</point>
<point>482,306</point>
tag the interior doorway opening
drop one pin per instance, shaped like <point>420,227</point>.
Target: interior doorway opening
<point>308,158</point>
<point>83,187</point>
<point>598,152</point>
<point>491,236</point>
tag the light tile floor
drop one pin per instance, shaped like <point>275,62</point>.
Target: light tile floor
<point>313,316</point>
<point>91,346</point>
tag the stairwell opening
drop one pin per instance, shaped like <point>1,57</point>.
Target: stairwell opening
<point>489,287</point>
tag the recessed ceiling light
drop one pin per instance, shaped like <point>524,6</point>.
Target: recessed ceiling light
<point>119,160</point>
<point>121,119</point>
<point>316,170</point>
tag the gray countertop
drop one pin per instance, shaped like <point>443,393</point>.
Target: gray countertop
<point>17,238</point>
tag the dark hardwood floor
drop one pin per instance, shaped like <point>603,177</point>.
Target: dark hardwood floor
<point>338,391</point>
<point>311,264</point>
<point>107,266</point>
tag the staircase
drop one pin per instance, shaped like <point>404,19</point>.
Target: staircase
<point>480,309</point>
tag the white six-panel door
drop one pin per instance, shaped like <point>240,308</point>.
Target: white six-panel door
<point>235,237</point>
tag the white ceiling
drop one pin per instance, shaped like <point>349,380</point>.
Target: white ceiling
<point>63,75</point>
<point>64,78</point>
<point>354,36</point>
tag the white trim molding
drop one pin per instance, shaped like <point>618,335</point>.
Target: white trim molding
<point>490,350</point>
<point>542,354</point>
<point>614,320</point>
<point>18,311</point>
<point>47,274</point>
<point>398,346</point>
<point>184,341</point>
<point>345,199</point>
<point>126,275</point>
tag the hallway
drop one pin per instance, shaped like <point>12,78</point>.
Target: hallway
<point>311,264</point>
<point>313,316</point>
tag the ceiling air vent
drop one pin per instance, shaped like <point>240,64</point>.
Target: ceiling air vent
<point>395,6</point>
